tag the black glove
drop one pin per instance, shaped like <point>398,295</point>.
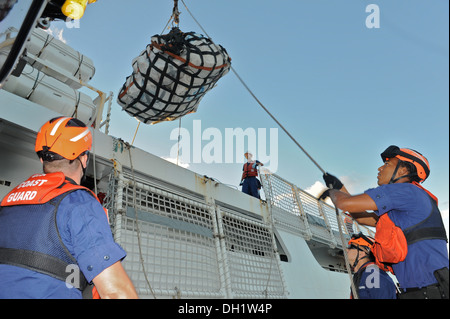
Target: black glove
<point>325,194</point>
<point>332,181</point>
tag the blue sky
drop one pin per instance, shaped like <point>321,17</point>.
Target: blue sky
<point>343,90</point>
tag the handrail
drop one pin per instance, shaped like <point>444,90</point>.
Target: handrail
<point>321,221</point>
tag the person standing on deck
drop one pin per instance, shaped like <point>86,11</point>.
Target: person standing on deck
<point>250,184</point>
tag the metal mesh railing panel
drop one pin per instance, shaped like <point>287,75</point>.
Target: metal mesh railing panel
<point>251,257</point>
<point>175,243</point>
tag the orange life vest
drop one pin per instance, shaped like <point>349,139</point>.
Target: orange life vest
<point>391,242</point>
<point>249,171</point>
<point>41,188</point>
<point>390,246</point>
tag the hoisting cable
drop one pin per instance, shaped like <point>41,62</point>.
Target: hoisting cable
<point>175,16</point>
<point>355,295</point>
<point>175,12</point>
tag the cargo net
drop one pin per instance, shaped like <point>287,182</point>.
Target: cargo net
<point>172,75</point>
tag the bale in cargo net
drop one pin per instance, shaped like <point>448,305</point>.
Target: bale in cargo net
<point>172,75</point>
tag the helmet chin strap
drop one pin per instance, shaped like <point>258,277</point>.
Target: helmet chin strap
<point>357,260</point>
<point>392,181</point>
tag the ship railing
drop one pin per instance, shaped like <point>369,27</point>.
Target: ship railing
<point>183,246</point>
<point>296,211</point>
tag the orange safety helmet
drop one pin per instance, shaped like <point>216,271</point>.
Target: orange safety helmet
<point>411,156</point>
<point>65,136</point>
<point>359,240</point>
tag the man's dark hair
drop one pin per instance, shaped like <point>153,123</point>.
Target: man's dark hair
<point>411,169</point>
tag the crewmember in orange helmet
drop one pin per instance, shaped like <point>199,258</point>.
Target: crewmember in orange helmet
<point>410,238</point>
<point>370,281</point>
<point>54,235</point>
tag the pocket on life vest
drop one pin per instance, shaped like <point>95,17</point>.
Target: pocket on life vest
<point>390,242</point>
